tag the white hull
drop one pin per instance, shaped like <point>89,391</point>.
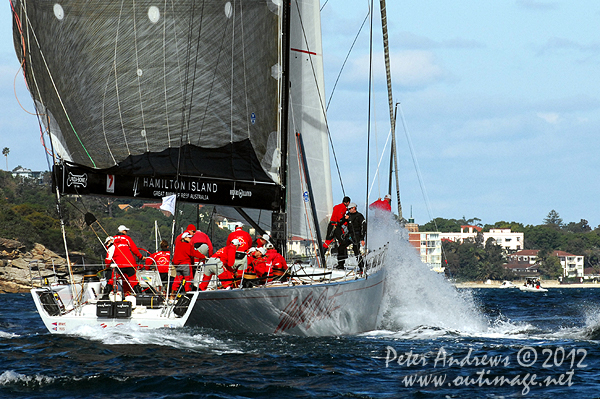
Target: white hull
<point>85,315</point>
<point>342,304</point>
<point>532,289</point>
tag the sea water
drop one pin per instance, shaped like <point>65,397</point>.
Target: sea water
<point>433,341</point>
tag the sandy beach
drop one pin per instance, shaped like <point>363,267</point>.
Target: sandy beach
<point>545,284</point>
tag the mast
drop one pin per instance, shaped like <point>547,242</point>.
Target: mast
<point>388,72</point>
<point>279,218</point>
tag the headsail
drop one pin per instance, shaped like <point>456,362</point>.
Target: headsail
<point>307,116</point>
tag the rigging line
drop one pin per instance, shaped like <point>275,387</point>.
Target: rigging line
<point>369,111</point>
<point>379,164</point>
<point>55,88</point>
<point>415,163</point>
<point>323,110</point>
<point>324,4</point>
<point>346,60</point>
<point>139,75</point>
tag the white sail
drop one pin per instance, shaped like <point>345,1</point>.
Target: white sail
<point>307,116</point>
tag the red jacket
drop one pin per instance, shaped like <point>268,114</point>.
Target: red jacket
<point>125,250</point>
<point>200,237</point>
<point>259,266</point>
<point>381,204</point>
<point>244,237</point>
<point>162,259</point>
<point>185,253</point>
<point>227,256</point>
<point>338,212</point>
<point>275,260</point>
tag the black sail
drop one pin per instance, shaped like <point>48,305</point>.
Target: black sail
<point>146,99</point>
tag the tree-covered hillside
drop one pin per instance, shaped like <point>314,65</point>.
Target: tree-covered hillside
<point>28,213</point>
<point>476,260</point>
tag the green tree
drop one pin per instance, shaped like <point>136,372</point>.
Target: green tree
<point>5,152</point>
<point>553,220</point>
<point>549,265</point>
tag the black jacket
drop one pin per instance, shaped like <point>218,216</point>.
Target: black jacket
<point>357,227</point>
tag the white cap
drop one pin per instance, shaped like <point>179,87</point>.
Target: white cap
<point>186,235</point>
<point>265,237</point>
<point>387,196</point>
<point>351,205</point>
<point>235,241</point>
<point>269,245</point>
<point>251,250</point>
<point>108,239</point>
<point>262,250</point>
<point>122,228</point>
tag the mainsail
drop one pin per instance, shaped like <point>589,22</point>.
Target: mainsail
<point>145,99</point>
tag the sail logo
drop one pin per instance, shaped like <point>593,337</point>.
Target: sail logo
<point>77,180</point>
<point>110,183</point>
<point>240,193</point>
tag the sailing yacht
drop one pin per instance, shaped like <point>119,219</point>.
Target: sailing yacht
<point>214,102</point>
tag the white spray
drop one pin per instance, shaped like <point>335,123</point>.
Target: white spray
<point>417,297</point>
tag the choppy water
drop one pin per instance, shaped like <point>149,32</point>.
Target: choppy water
<point>433,342</point>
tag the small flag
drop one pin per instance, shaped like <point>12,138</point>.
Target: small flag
<point>168,205</point>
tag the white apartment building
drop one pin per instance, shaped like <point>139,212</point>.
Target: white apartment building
<point>509,241</point>
<point>572,265</point>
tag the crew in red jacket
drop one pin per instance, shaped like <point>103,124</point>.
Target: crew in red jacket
<point>200,238</point>
<point>334,229</point>
<point>161,261</point>
<point>384,204</point>
<point>225,259</point>
<point>184,258</point>
<point>124,257</point>
<point>276,263</point>
<point>244,238</point>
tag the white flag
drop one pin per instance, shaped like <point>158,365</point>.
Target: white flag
<point>168,205</point>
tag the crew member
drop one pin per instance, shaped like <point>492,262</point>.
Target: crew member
<point>257,263</point>
<point>384,204</point>
<point>200,238</point>
<point>262,240</point>
<point>334,229</point>
<point>276,263</point>
<point>184,258</point>
<point>229,258</point>
<point>242,236</point>
<point>125,256</point>
<point>162,260</point>
<point>357,229</point>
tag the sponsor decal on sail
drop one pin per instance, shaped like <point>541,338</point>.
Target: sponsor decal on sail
<point>77,180</point>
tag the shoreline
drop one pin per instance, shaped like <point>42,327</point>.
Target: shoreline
<point>517,283</point>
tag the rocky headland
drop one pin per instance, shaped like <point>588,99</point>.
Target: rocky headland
<point>21,269</point>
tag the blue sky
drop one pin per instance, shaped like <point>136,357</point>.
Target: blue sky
<point>501,102</point>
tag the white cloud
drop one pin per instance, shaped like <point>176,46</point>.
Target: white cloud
<point>412,68</point>
<point>550,117</point>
